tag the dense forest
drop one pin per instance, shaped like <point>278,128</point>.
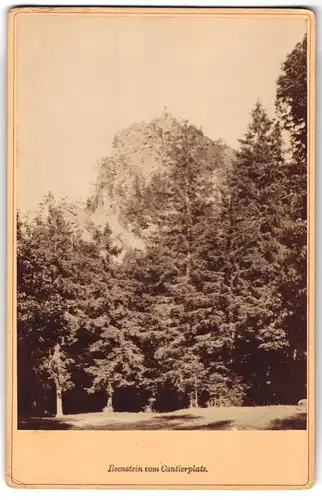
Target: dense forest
<point>182,280</point>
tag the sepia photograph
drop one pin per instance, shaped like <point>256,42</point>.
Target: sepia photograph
<point>161,173</point>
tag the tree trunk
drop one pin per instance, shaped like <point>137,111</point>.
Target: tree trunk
<point>193,399</point>
<point>59,400</point>
<point>109,404</point>
<point>150,406</point>
<point>196,391</point>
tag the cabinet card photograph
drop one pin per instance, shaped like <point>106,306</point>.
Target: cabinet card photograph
<point>160,248</point>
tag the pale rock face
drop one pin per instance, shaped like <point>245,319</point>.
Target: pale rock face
<point>77,217</point>
<point>137,153</point>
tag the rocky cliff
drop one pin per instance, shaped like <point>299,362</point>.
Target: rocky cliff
<point>138,152</point>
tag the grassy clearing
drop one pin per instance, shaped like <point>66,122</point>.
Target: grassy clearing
<point>232,418</point>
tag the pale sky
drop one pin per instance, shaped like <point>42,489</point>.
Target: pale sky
<point>81,78</point>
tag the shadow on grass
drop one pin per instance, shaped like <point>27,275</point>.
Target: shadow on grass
<point>296,422</point>
<point>165,418</point>
<point>43,424</point>
<point>161,422</point>
<point>220,425</point>
<point>158,422</point>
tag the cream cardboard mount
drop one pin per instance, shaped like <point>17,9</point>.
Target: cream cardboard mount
<point>160,271</point>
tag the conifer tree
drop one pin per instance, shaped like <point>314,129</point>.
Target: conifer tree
<point>256,256</point>
<point>117,362</point>
<point>291,105</point>
<point>186,310</point>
